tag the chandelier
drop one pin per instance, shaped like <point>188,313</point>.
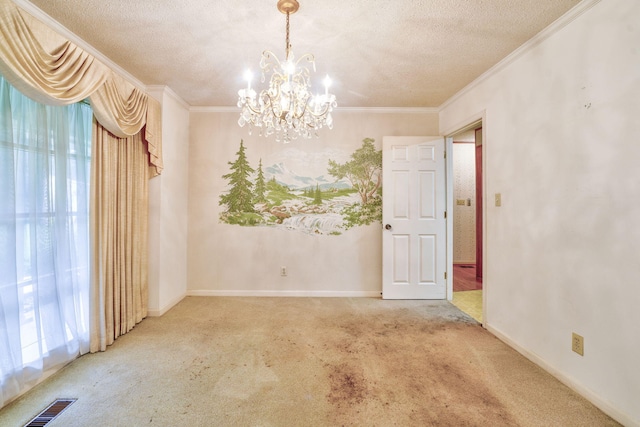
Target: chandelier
<point>287,107</point>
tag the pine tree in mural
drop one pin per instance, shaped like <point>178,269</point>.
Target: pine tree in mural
<point>317,197</point>
<point>240,196</point>
<point>261,186</point>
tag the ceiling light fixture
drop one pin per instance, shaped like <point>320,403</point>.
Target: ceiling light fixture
<point>287,108</point>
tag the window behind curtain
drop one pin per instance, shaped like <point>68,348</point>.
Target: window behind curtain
<point>45,156</point>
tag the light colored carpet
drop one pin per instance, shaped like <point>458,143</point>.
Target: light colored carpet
<point>308,362</point>
<point>470,302</point>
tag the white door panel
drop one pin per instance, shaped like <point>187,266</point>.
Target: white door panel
<point>413,212</point>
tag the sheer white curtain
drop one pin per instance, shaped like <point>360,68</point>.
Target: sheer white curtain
<point>45,156</point>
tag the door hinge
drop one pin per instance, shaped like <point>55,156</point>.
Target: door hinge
<point>445,275</point>
<point>445,214</point>
<point>445,154</point>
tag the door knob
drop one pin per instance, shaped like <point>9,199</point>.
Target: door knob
<point>388,226</point>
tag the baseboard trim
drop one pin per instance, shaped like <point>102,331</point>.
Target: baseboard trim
<point>585,392</point>
<point>277,293</point>
<point>162,310</point>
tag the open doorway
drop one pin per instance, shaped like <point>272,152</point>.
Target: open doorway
<point>467,221</point>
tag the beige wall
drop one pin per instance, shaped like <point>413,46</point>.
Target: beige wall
<point>168,208</point>
<point>561,146</point>
<point>228,259</point>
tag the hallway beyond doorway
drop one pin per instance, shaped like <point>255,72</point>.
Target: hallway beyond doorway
<point>464,278</point>
<point>467,290</point>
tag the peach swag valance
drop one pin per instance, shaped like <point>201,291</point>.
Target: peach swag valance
<point>50,69</point>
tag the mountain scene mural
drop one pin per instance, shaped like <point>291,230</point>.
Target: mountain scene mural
<point>292,180</point>
<point>347,195</point>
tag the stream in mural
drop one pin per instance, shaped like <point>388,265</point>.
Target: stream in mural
<point>347,195</point>
<point>316,219</point>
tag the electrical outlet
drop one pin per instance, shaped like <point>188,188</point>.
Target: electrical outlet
<point>498,199</point>
<point>283,271</point>
<point>577,344</point>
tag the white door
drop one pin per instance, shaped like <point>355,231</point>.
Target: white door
<point>414,218</point>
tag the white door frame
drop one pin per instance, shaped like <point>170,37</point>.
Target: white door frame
<point>468,124</point>
<point>448,146</point>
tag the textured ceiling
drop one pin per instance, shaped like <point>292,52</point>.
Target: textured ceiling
<point>379,53</point>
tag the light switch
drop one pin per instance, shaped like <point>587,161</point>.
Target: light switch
<point>498,199</point>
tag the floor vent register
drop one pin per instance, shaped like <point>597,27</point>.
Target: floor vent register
<point>50,413</point>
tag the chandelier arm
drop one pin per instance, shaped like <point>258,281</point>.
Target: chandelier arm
<point>269,62</point>
<point>270,108</point>
<point>250,107</point>
<point>321,113</point>
<point>309,58</point>
<point>268,55</point>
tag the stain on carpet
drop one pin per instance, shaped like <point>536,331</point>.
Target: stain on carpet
<point>403,365</point>
<point>348,386</point>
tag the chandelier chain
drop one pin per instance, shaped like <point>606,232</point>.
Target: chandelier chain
<point>288,46</point>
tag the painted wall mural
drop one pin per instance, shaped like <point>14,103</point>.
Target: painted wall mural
<point>323,193</point>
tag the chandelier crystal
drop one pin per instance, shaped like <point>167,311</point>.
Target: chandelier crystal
<point>287,107</point>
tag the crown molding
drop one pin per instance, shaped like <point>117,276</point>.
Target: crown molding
<point>389,110</point>
<point>74,38</point>
<point>369,110</point>
<point>155,90</point>
<point>570,16</point>
<point>193,109</point>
